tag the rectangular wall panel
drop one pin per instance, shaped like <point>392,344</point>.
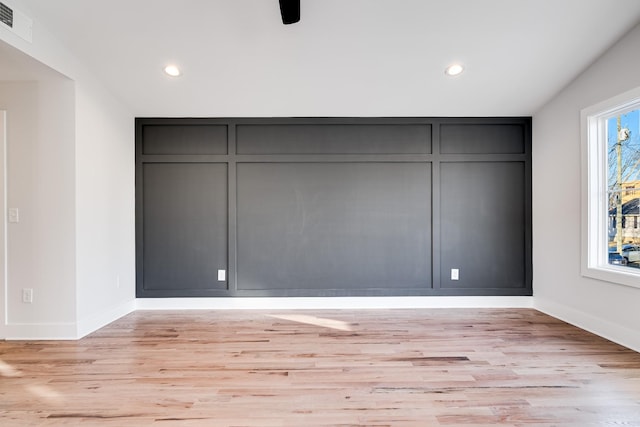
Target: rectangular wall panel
<point>476,138</point>
<point>184,227</point>
<point>483,225</point>
<point>334,226</point>
<point>184,139</point>
<point>334,139</point>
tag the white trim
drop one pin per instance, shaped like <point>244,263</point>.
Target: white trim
<point>594,256</point>
<point>73,331</point>
<point>3,224</point>
<point>93,323</point>
<point>67,331</point>
<point>41,331</point>
<point>331,303</point>
<point>70,330</point>
<point>617,333</point>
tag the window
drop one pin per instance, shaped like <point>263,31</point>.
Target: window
<point>611,189</point>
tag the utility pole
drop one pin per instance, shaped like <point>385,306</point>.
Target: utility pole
<point>619,188</point>
<point>622,135</point>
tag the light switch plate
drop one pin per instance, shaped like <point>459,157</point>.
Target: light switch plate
<point>455,274</point>
<point>222,275</point>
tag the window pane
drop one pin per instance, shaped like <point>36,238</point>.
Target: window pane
<point>623,192</point>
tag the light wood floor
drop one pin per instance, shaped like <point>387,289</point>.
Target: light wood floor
<point>458,367</point>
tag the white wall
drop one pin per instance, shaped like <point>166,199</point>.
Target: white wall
<point>40,183</point>
<point>105,160</point>
<point>607,309</point>
<point>71,172</point>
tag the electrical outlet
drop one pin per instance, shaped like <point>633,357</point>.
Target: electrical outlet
<point>222,275</point>
<point>455,274</point>
<point>27,295</point>
<point>14,215</point>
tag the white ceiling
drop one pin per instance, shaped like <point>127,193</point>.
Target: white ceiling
<point>344,57</point>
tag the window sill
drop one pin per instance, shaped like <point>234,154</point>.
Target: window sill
<point>614,274</point>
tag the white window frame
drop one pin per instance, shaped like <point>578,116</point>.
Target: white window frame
<point>595,257</point>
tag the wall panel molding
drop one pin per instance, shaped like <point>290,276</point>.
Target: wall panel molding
<point>333,207</point>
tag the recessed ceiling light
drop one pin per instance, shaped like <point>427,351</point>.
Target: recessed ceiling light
<point>172,70</point>
<point>454,70</point>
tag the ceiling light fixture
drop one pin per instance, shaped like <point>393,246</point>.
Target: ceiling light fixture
<point>172,70</point>
<point>454,70</point>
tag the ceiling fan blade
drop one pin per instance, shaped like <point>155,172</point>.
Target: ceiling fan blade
<point>290,11</point>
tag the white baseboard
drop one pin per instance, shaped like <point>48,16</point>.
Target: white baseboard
<point>40,331</point>
<point>67,331</point>
<point>619,334</point>
<point>331,303</point>
<point>93,323</point>
<point>73,331</point>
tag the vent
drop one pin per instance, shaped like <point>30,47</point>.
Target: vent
<point>6,15</point>
<point>16,22</point>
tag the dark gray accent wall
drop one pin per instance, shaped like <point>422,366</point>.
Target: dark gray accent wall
<point>333,206</point>
<point>184,139</point>
<point>333,139</point>
<point>482,138</point>
<point>330,226</point>
<point>482,225</point>
<point>184,226</point>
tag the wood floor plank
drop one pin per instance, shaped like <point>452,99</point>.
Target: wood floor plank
<point>439,367</point>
